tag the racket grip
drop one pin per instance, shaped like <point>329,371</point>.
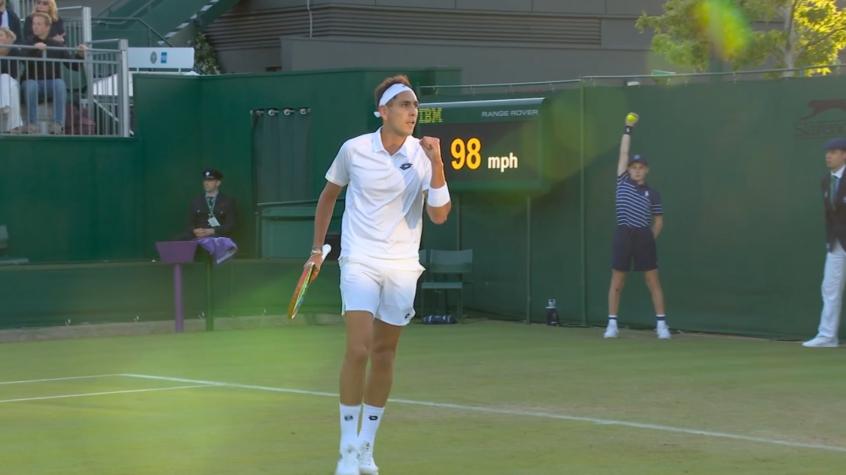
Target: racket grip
<point>325,250</point>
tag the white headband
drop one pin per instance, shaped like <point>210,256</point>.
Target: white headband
<point>392,92</point>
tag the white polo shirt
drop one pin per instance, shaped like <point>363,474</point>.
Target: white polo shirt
<point>383,218</point>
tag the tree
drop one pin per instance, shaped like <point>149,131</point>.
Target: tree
<point>791,33</point>
<point>205,58</point>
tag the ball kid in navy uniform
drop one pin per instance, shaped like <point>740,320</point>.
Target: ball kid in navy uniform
<point>640,219</point>
<point>213,212</point>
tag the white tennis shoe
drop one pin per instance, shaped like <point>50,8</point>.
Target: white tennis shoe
<point>663,331</point>
<point>611,331</point>
<point>821,342</point>
<point>366,465</point>
<point>348,463</point>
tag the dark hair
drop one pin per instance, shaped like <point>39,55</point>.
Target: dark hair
<point>388,82</point>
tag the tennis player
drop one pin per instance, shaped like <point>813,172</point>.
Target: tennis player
<point>640,218</point>
<point>389,176</point>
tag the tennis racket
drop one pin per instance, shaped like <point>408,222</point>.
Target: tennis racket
<point>303,285</point>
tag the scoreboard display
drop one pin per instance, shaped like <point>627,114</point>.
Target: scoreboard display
<point>491,145</point>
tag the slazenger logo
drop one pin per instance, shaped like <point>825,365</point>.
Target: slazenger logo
<point>826,118</point>
<point>818,107</point>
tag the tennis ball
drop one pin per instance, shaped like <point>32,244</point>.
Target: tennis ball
<point>631,118</point>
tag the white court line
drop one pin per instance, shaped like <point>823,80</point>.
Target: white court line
<point>517,412</point>
<point>67,378</point>
<point>231,385</point>
<point>104,393</point>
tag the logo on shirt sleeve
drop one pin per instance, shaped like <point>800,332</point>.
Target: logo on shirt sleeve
<point>405,166</point>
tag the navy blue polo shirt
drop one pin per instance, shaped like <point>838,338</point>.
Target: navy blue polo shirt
<point>636,204</point>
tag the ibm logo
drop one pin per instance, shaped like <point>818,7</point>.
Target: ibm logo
<point>430,115</point>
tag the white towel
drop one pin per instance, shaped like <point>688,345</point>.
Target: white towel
<point>10,103</point>
<point>5,92</point>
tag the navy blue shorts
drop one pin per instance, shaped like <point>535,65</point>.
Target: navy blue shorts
<point>634,249</point>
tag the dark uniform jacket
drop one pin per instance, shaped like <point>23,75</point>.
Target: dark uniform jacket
<point>835,215</point>
<point>224,211</point>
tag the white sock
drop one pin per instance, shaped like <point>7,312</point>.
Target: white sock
<point>371,417</point>
<point>661,320</point>
<point>349,425</point>
<point>612,320</point>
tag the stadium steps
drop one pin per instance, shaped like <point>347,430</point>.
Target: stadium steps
<point>157,19</point>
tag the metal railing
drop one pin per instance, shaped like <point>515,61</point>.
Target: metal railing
<point>65,91</point>
<point>138,11</point>
<point>517,87</point>
<point>153,37</point>
<point>677,79</point>
<point>665,79</point>
<point>77,21</point>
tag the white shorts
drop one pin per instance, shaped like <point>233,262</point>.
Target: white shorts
<point>386,291</point>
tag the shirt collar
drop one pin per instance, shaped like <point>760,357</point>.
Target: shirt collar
<point>213,195</point>
<point>638,185</point>
<point>839,172</point>
<point>378,146</point>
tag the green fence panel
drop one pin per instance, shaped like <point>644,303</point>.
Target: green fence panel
<point>738,165</point>
<point>125,292</point>
<point>280,155</point>
<point>71,198</point>
<point>743,243</point>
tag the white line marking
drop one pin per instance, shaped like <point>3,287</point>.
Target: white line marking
<point>516,412</point>
<point>104,393</point>
<point>67,378</point>
<point>231,385</point>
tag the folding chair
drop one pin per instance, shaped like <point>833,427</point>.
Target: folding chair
<point>445,273</point>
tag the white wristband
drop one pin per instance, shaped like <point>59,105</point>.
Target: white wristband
<point>438,196</point>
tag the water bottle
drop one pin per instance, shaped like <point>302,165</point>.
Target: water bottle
<point>552,313</point>
<point>439,319</point>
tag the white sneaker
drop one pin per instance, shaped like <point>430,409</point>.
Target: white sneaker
<point>821,342</point>
<point>348,463</point>
<point>611,331</point>
<point>663,332</point>
<point>366,465</point>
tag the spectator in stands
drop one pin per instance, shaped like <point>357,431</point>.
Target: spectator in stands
<point>213,218</point>
<point>57,26</point>
<point>10,91</point>
<point>9,20</point>
<point>43,79</point>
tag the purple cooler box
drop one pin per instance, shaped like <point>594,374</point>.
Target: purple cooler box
<point>177,253</point>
